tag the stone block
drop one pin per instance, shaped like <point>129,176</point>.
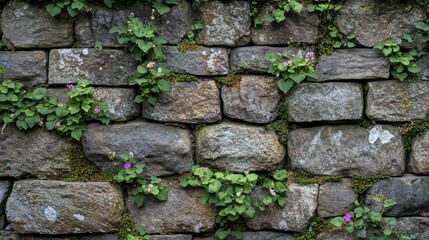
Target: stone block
<point>238,147</point>
<point>254,99</point>
<point>394,101</point>
<point>347,150</point>
<point>419,159</point>
<point>120,101</point>
<point>165,150</point>
<point>417,225</point>
<point>55,207</point>
<point>5,188</point>
<point>188,102</point>
<point>100,67</point>
<point>336,198</point>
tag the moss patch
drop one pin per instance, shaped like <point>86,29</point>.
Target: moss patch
<point>362,184</point>
<point>181,77</point>
<point>230,80</point>
<point>411,130</point>
<point>301,177</point>
<point>281,125</point>
<point>317,226</point>
<point>186,46</point>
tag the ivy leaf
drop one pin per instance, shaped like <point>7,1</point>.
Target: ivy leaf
<point>161,8</point>
<point>173,2</point>
<point>214,186</point>
<point>76,134</point>
<point>285,86</point>
<point>249,213</point>
<point>337,221</point>
<point>407,37</point>
<point>152,100</point>
<point>413,68</point>
<point>53,9</point>
<point>281,201</point>
<point>164,85</point>
<point>280,175</point>
<point>39,93</point>
<point>140,199</point>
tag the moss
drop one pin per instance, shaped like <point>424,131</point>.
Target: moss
<point>281,125</point>
<point>230,80</point>
<point>365,123</point>
<point>301,177</point>
<point>411,130</point>
<point>81,169</point>
<point>362,184</point>
<point>181,77</point>
<point>317,225</point>
<point>186,46</point>
<point>365,89</point>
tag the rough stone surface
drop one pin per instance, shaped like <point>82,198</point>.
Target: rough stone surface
<point>33,153</point>
<point>224,23</point>
<point>27,67</point>
<point>311,102</point>
<point>419,160</point>
<point>260,235</point>
<point>423,63</point>
<point>252,59</point>
<point>254,99</point>
<point>28,25</point>
<point>106,67</point>
<point>188,102</point>
<point>9,235</point>
<point>352,64</point>
<point>347,150</point>
<point>296,28</point>
<point>336,198</point>
<point>203,61</point>
<point>238,147</point>
<point>410,192</point>
<point>5,187</point>
<point>338,234</point>
<point>374,21</point>
<point>165,150</point>
<point>394,101</point>
<point>171,237</point>
<point>417,225</point>
<point>121,102</point>
<point>55,207</point>
<point>190,215</point>
<point>295,216</point>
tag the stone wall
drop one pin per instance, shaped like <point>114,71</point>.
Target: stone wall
<point>210,124</point>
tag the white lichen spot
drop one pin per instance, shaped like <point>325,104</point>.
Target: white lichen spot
<point>316,141</point>
<point>51,214</point>
<point>378,132</point>
<point>101,68</point>
<point>198,227</point>
<point>204,53</point>
<point>85,51</point>
<point>79,217</point>
<point>76,230</point>
<point>283,225</point>
<point>336,138</point>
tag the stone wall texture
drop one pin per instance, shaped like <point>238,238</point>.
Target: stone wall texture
<point>349,122</point>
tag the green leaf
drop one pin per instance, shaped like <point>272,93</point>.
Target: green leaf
<point>337,221</point>
<point>387,51</point>
<point>214,186</point>
<point>21,124</point>
<point>72,12</point>
<point>422,26</point>
<point>296,6</point>
<point>141,231</point>
<point>152,100</point>
<point>50,125</point>
<point>164,85</point>
<point>388,203</point>
<point>161,8</point>
<point>78,5</point>
<point>280,175</point>
<point>281,201</point>
<point>413,68</point>
<point>249,213</point>
<point>407,37</point>
<point>53,9</point>
<point>76,134</point>
<point>140,199</point>
<point>251,177</point>
<point>285,86</point>
<point>39,93</point>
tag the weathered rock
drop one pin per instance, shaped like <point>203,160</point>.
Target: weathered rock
<point>9,235</point>
<point>296,28</point>
<point>352,64</point>
<point>55,207</point>
<point>121,102</point>
<point>410,192</point>
<point>238,147</point>
<point>59,93</point>
<point>347,150</point>
<point>336,199</point>
<point>28,25</point>
<point>33,153</point>
<point>188,102</point>
<point>396,101</point>
<point>171,237</point>
<point>260,235</point>
<point>339,234</point>
<point>419,159</point>
<point>373,21</point>
<point>106,67</point>
<point>417,225</point>
<point>295,216</point>
<point>310,102</point>
<point>28,67</point>
<point>165,150</point>
<point>5,187</point>
<point>224,23</point>
<point>252,59</point>
<point>203,61</point>
<point>190,215</point>
<point>84,34</point>
<point>423,64</point>
<point>254,99</point>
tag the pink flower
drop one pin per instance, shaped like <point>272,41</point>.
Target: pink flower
<point>127,165</point>
<point>58,124</point>
<point>150,65</point>
<point>70,86</point>
<point>97,110</point>
<point>347,217</point>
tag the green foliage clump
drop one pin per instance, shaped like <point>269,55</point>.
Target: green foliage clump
<point>128,230</point>
<point>411,130</point>
<point>279,11</point>
<point>317,225</point>
<point>423,31</point>
<point>281,125</point>
<point>145,47</point>
<point>231,193</point>
<point>181,77</point>
<point>361,184</point>
<point>291,70</point>
<point>189,44</point>
<point>30,108</point>
<point>304,178</point>
<point>142,187</point>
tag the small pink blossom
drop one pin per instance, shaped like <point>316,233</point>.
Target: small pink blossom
<point>58,124</point>
<point>150,64</point>
<point>347,217</point>
<point>272,192</point>
<point>70,86</point>
<point>127,165</point>
<point>97,110</point>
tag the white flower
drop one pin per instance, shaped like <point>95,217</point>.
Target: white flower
<point>150,64</point>
<point>159,69</point>
<point>238,194</point>
<point>272,192</point>
<point>277,75</point>
<point>131,154</point>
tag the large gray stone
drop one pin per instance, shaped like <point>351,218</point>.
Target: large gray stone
<point>295,216</point>
<point>254,99</point>
<point>311,102</point>
<point>259,235</point>
<point>165,150</point>
<point>238,147</point>
<point>171,237</point>
<point>423,63</point>
<point>55,207</point>
<point>188,102</point>
<point>28,25</point>
<point>417,225</point>
<point>183,212</point>
<point>33,153</point>
<point>296,28</point>
<point>410,192</point>
<point>224,23</point>
<point>106,67</point>
<point>203,61</point>
<point>5,187</point>
<point>419,159</point>
<point>9,235</point>
<point>352,64</point>
<point>374,21</point>
<point>338,234</point>
<point>121,102</point>
<point>396,101</point>
<point>28,67</point>
<point>253,59</point>
<point>336,198</point>
<point>347,150</point>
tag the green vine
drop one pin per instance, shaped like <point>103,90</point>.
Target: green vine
<point>279,11</point>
